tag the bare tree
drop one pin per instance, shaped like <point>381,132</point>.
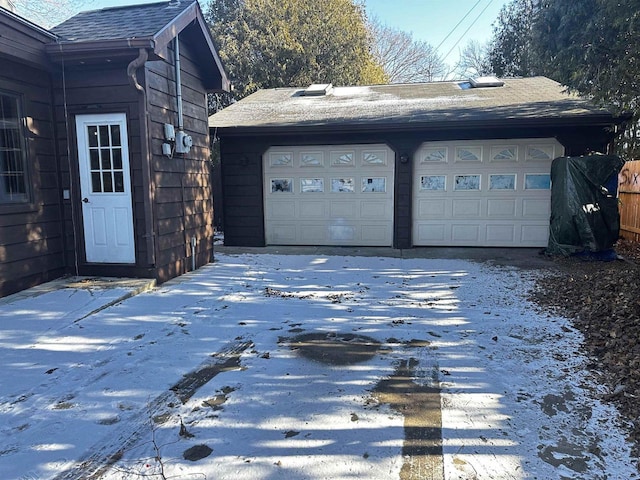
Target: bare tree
<point>404,59</point>
<point>474,61</point>
<point>48,13</point>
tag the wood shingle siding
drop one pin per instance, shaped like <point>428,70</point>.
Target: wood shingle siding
<point>31,243</point>
<point>182,192</point>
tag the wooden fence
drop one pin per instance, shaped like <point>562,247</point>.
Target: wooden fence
<point>629,200</point>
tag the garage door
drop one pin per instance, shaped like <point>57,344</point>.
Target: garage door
<point>483,193</point>
<point>329,195</point>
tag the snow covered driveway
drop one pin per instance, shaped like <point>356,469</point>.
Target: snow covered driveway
<point>207,377</point>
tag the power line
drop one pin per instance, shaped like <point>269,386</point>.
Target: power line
<point>458,24</point>
<point>467,30</point>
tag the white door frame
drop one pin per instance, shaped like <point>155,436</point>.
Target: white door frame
<point>105,188</point>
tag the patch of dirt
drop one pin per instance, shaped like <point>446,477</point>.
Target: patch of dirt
<point>335,348</point>
<point>603,301</point>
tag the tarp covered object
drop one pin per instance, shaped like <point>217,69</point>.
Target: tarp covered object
<point>584,205</point>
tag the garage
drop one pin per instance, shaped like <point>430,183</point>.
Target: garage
<point>329,195</point>
<point>483,193</point>
<point>455,163</point>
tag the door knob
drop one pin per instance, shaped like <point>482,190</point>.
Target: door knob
<point>85,200</point>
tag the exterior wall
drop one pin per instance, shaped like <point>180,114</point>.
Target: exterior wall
<point>98,89</point>
<point>182,193</point>
<point>31,238</point>
<point>242,168</point>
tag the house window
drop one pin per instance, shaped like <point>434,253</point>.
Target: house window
<point>13,175</point>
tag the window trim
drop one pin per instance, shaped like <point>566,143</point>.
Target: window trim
<point>26,204</point>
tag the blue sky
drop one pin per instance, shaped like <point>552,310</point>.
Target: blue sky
<point>428,20</point>
<point>433,20</point>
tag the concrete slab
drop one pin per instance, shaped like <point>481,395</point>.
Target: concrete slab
<point>70,299</point>
<point>525,258</point>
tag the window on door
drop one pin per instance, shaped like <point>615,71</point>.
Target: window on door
<point>13,175</point>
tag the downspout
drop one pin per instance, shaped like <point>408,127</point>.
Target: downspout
<point>176,54</point>
<point>149,236</point>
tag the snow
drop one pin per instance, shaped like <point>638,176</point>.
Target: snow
<point>517,400</point>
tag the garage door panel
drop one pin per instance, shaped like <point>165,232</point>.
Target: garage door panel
<point>431,207</point>
<point>503,207</point>
<point>312,209</point>
<point>281,210</point>
<point>284,233</point>
<point>309,234</point>
<point>378,233</point>
<point>339,232</point>
<point>536,207</point>
<point>461,233</point>
<point>466,208</point>
<point>432,233</point>
<point>483,192</point>
<point>533,235</point>
<point>369,209</point>
<point>501,234</point>
<point>332,195</point>
<point>343,209</point>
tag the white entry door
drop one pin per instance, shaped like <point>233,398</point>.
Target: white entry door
<point>105,185</point>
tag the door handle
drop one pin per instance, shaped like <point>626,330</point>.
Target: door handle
<point>85,200</point>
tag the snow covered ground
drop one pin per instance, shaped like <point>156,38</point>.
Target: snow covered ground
<point>95,395</point>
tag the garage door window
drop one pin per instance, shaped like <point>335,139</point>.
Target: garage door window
<point>434,155</point>
<point>281,159</point>
<point>374,185</point>
<point>469,154</point>
<point>433,182</point>
<point>311,159</point>
<point>342,185</point>
<point>540,153</point>
<point>374,158</point>
<point>504,154</point>
<point>281,185</point>
<point>537,181</point>
<point>312,185</point>
<point>342,159</point>
<point>502,182</point>
<point>467,182</point>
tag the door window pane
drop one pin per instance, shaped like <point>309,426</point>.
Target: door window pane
<point>107,182</point>
<point>115,135</point>
<point>96,184</point>
<point>118,181</point>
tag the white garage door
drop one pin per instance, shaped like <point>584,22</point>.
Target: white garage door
<point>483,193</point>
<point>329,195</point>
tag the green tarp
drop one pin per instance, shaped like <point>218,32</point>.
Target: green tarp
<point>584,204</point>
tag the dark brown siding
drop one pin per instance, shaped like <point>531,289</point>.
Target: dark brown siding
<point>241,165</point>
<point>31,238</point>
<point>182,184</point>
<point>22,43</point>
<point>97,89</point>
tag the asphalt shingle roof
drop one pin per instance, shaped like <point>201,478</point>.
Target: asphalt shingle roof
<point>427,103</point>
<point>137,21</point>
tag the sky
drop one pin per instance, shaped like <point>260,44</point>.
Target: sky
<point>433,21</point>
<point>217,351</point>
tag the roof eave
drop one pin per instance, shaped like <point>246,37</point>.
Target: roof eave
<point>170,31</point>
<point>601,120</point>
<point>98,49</point>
